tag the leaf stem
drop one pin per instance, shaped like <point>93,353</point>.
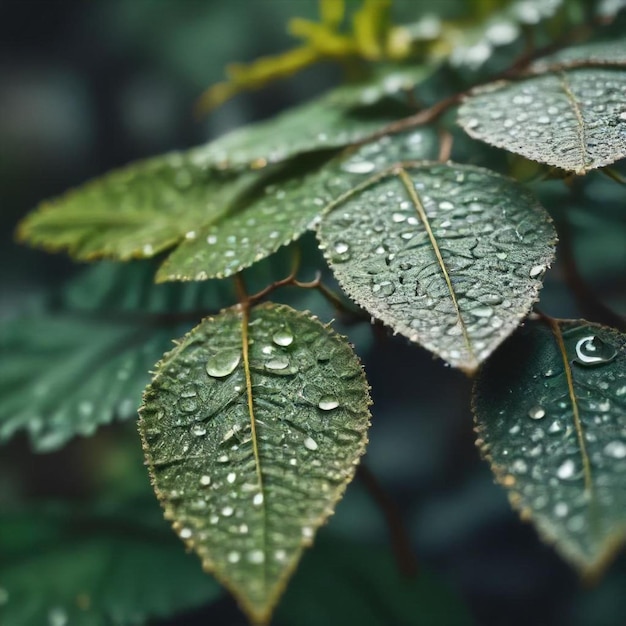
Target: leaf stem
<point>400,541</point>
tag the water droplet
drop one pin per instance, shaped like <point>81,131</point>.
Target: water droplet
<point>537,412</point>
<point>561,509</point>
<point>307,532</point>
<point>555,427</point>
<point>482,311</point>
<point>214,519</point>
<point>258,499</point>
<point>231,478</point>
<point>205,480</point>
<point>198,430</point>
<point>328,403</point>
<point>185,533</point>
<point>227,511</point>
<point>233,557</point>
<point>211,240</point>
<point>398,217</point>
<point>591,350</point>
<point>358,167</point>
<point>616,449</point>
<point>519,466</point>
<point>223,363</point>
<point>223,458</point>
<point>280,555</point>
<point>283,337</point>
<point>310,444</point>
<point>537,270</point>
<point>566,469</point>
<point>256,556</point>
<point>279,362</point>
<point>190,234</point>
<point>341,247</point>
<point>57,616</point>
<point>243,528</point>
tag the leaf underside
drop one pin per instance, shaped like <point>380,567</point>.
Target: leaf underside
<point>247,486</point>
<point>493,239</point>
<point>553,426</point>
<point>574,120</point>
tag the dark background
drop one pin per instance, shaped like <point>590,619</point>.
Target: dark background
<point>86,86</point>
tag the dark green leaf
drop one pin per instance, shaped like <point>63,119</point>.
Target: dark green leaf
<point>597,53</point>
<point>342,583</point>
<point>83,359</point>
<point>285,209</point>
<point>494,242</point>
<point>136,211</point>
<point>117,566</point>
<point>575,120</point>
<point>551,419</point>
<point>247,469</point>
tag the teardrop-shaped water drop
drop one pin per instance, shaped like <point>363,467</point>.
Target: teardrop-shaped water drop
<point>223,363</point>
<point>537,412</point>
<point>279,362</point>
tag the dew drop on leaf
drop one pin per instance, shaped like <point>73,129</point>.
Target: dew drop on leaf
<point>283,338</point>
<point>279,362</point>
<point>223,363</point>
<point>591,350</point>
<point>328,403</point>
<point>537,412</point>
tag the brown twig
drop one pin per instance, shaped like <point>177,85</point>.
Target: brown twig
<point>446,140</point>
<point>400,541</point>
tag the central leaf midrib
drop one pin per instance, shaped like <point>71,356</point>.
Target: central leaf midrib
<point>417,203</point>
<point>582,136</point>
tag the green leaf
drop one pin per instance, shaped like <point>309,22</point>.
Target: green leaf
<point>137,211</point>
<point>550,409</point>
<point>82,359</point>
<point>611,53</point>
<point>342,582</point>
<point>62,565</point>
<point>284,208</point>
<point>252,432</point>
<point>575,120</point>
<point>450,256</point>
<point>327,122</point>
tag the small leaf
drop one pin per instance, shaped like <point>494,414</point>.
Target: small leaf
<point>550,410</point>
<point>451,258</point>
<point>62,565</point>
<point>81,360</point>
<point>251,432</point>
<point>285,208</point>
<point>575,120</point>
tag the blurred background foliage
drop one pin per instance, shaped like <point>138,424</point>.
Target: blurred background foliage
<point>88,86</point>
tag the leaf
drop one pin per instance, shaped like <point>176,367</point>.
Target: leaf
<point>284,209</point>
<point>81,360</point>
<point>136,211</point>
<point>575,120</point>
<point>450,256</point>
<point>62,565</point>
<point>551,419</point>
<point>249,467</point>
<point>317,125</point>
<point>343,582</point>
<point>612,53</point>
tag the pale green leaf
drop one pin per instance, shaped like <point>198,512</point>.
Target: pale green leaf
<point>113,565</point>
<point>454,267</point>
<point>285,208</point>
<point>327,122</point>
<point>136,211</point>
<point>82,359</point>
<point>575,120</point>
<point>551,419</point>
<point>611,52</point>
<point>247,472</point>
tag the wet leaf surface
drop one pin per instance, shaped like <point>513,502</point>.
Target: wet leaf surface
<point>551,419</point>
<point>285,208</point>
<point>453,268</point>
<point>598,52</point>
<point>247,469</point>
<point>575,120</point>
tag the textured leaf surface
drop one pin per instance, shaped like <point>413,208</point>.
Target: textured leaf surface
<point>575,120</point>
<point>136,211</point>
<point>285,209</point>
<point>82,359</point>
<point>248,472</point>
<point>494,240</point>
<point>553,425</point>
<point>321,124</point>
<point>62,566</point>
